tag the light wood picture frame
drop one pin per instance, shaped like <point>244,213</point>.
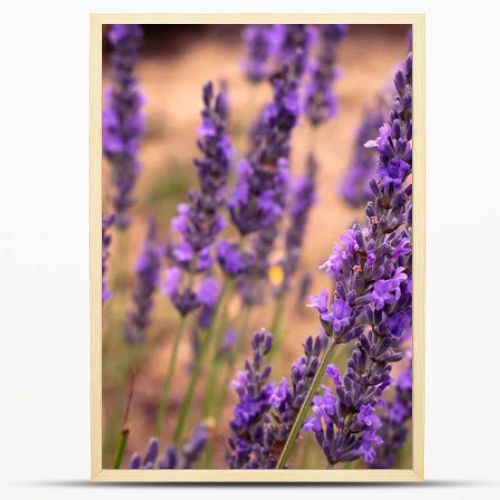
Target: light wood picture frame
<point>416,473</point>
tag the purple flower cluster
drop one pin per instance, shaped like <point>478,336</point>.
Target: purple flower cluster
<point>303,198</point>
<point>373,294</point>
<point>259,197</point>
<point>249,447</point>
<point>173,458</point>
<point>320,100</point>
<point>199,221</point>
<point>261,43</point>
<point>288,397</point>
<point>147,271</point>
<point>395,414</point>
<point>107,222</point>
<point>122,120</point>
<point>355,188</point>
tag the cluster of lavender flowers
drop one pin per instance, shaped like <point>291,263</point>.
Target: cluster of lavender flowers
<point>372,273</point>
<point>261,44</point>
<point>259,198</point>
<point>200,221</point>
<point>122,120</point>
<point>173,458</point>
<point>320,100</point>
<point>395,414</point>
<point>265,413</point>
<point>147,275</point>
<point>107,222</point>
<point>249,445</point>
<point>355,188</point>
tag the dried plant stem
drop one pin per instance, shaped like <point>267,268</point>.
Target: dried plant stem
<point>198,364</point>
<point>301,415</point>
<point>165,395</point>
<point>122,444</point>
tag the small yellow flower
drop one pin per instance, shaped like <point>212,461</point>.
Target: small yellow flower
<point>275,275</point>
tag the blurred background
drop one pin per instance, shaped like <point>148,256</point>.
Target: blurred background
<point>176,61</point>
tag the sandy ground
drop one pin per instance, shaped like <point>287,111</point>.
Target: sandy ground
<point>171,77</point>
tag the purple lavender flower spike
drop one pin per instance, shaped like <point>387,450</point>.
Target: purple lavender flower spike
<point>173,458</point>
<point>261,44</point>
<point>355,188</point>
<point>122,120</point>
<point>248,446</point>
<point>303,198</point>
<point>373,292</point>
<point>395,414</point>
<point>259,198</point>
<point>107,222</point>
<point>147,277</point>
<point>320,101</point>
<point>199,222</point>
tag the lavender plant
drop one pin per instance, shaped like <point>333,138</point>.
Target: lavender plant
<point>198,223</point>
<point>394,417</point>
<point>355,188</point>
<point>260,193</point>
<point>372,291</point>
<point>261,43</point>
<point>147,276</point>
<point>107,222</point>
<point>320,100</point>
<point>122,119</point>
<point>184,457</point>
<point>248,445</point>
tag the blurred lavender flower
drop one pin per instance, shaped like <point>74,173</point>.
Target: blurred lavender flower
<point>122,120</point>
<point>147,275</point>
<point>248,448</point>
<point>261,44</point>
<point>260,193</point>
<point>395,414</point>
<point>173,458</point>
<point>320,101</point>
<point>228,343</point>
<point>199,221</point>
<point>355,188</point>
<point>373,291</point>
<point>303,198</point>
<point>107,222</point>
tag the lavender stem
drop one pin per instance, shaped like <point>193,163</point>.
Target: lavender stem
<point>195,374</point>
<point>245,317</point>
<point>165,395</point>
<point>302,413</point>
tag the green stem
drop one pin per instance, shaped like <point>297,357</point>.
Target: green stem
<point>216,361</point>
<point>168,379</point>
<point>245,316</point>
<point>121,448</point>
<point>198,364</point>
<point>301,415</point>
<point>279,309</point>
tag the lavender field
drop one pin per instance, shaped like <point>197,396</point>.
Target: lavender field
<point>257,255</point>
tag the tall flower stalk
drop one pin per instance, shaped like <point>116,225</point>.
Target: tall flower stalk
<point>198,224</point>
<point>122,120</point>
<point>147,276</point>
<point>372,292</point>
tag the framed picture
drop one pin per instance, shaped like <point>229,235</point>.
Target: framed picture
<point>257,233</point>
